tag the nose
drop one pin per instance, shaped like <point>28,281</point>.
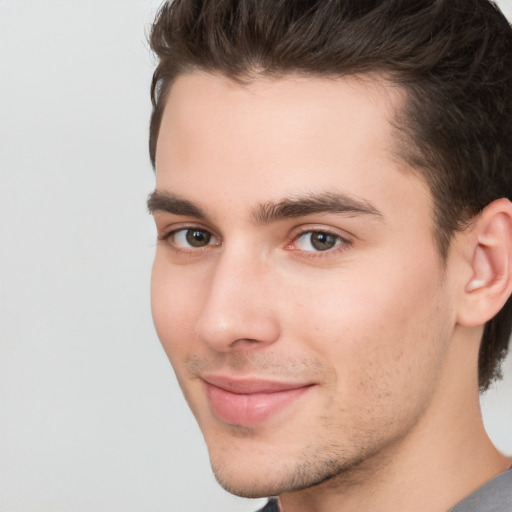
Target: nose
<point>239,311</point>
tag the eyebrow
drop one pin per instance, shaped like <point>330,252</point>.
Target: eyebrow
<point>171,203</point>
<point>329,202</point>
<point>267,213</point>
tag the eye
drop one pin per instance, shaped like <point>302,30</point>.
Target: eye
<point>317,241</point>
<point>192,238</point>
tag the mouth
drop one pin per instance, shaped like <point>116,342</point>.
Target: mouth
<point>250,402</point>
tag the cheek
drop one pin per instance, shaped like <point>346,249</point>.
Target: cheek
<point>175,301</point>
<point>382,332</point>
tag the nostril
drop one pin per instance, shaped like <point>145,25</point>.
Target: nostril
<point>245,328</point>
<point>245,343</point>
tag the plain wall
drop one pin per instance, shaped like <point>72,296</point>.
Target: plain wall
<point>91,417</point>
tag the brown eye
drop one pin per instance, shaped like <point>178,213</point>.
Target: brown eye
<point>318,241</point>
<point>192,238</point>
<point>197,237</point>
<point>323,241</point>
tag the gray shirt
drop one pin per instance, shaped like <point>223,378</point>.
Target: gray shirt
<point>494,496</point>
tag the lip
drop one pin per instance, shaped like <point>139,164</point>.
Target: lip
<point>250,402</point>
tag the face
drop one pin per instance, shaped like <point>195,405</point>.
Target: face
<point>296,287</point>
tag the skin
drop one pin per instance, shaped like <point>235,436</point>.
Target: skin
<point>372,326</point>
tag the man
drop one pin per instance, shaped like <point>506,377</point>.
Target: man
<point>334,265</point>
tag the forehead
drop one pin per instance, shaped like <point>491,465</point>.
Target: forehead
<point>277,137</point>
<point>278,112</point>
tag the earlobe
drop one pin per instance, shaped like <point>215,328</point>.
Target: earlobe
<point>490,283</point>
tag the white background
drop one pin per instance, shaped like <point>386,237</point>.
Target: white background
<point>91,418</point>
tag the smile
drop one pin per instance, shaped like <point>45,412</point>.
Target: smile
<point>250,402</point>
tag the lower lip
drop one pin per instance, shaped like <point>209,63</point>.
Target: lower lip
<point>250,409</point>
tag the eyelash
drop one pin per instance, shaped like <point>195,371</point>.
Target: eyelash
<point>342,243</point>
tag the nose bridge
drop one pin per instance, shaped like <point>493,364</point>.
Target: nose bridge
<point>239,305</point>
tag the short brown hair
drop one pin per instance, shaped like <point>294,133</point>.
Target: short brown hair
<point>452,57</point>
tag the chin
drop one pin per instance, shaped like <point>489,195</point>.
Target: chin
<point>257,483</point>
<point>252,477</point>
<point>246,489</point>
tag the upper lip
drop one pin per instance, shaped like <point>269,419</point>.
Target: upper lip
<point>252,385</point>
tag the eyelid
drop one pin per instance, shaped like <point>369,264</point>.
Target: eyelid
<point>167,231</point>
<point>322,228</point>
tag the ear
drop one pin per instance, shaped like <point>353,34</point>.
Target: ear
<point>490,251</point>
